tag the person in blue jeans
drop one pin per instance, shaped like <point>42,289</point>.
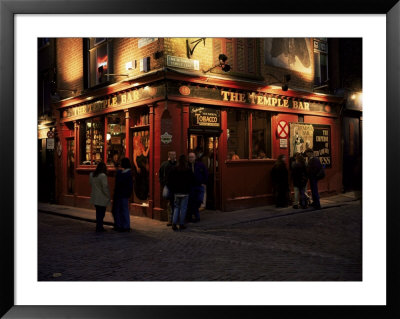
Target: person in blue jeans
<point>197,192</point>
<point>122,193</point>
<point>314,167</point>
<point>180,181</point>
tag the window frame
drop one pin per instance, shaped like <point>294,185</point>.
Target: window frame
<point>249,113</point>
<point>318,50</point>
<point>90,45</point>
<point>81,127</point>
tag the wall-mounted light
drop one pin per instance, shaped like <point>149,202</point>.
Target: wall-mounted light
<point>222,58</point>
<point>286,79</point>
<point>100,70</point>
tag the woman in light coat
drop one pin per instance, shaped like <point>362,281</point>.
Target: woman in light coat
<point>100,196</point>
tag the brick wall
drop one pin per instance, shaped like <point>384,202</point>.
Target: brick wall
<point>69,65</point>
<point>203,53</point>
<point>127,49</point>
<point>70,60</point>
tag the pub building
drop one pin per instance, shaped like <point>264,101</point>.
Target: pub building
<point>240,126</point>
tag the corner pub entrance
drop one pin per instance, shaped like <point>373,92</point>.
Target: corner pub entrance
<point>232,123</point>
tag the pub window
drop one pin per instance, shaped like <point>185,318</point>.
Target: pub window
<point>98,61</point>
<point>261,135</point>
<point>115,137</point>
<point>320,61</point>
<point>91,140</point>
<point>237,134</point>
<point>241,53</point>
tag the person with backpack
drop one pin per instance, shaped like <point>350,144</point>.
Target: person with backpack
<point>163,173</point>
<point>315,172</point>
<point>299,177</point>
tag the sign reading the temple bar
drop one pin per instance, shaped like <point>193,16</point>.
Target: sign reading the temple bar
<point>250,98</point>
<point>121,99</point>
<point>322,144</point>
<point>183,63</point>
<point>204,117</point>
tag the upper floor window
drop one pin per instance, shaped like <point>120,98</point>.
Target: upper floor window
<point>320,61</point>
<point>241,53</point>
<point>98,61</point>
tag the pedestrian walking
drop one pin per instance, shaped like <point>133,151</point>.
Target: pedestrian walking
<point>180,182</point>
<point>100,195</point>
<point>163,173</point>
<point>197,192</point>
<point>122,193</point>
<point>280,183</point>
<point>299,177</point>
<point>315,172</point>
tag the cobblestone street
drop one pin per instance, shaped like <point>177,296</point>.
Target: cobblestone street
<point>266,244</point>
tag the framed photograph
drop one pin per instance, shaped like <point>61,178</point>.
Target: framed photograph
<point>290,38</point>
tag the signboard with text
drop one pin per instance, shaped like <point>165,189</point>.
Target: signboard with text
<point>322,144</point>
<point>204,117</point>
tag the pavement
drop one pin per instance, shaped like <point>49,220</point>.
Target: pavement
<point>209,217</point>
<point>263,244</point>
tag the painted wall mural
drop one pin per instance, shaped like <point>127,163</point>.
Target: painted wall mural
<point>289,53</point>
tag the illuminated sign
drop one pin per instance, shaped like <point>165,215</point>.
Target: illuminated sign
<point>110,102</point>
<point>202,116</point>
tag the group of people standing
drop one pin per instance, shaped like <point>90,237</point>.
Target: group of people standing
<point>301,173</point>
<point>100,196</point>
<point>183,183</point>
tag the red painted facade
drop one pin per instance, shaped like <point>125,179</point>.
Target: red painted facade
<point>165,95</point>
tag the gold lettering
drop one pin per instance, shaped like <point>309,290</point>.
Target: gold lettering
<point>295,104</point>
<point>285,103</point>
<point>307,106</point>
<point>114,101</point>
<point>234,97</point>
<point>242,97</point>
<point>252,97</point>
<point>274,101</point>
<point>301,105</point>
<point>260,99</point>
<point>129,98</point>
<point>280,103</point>
<point>267,100</point>
<point>135,95</point>
<point>225,94</point>
<point>123,98</point>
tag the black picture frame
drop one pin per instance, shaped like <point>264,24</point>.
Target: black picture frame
<point>9,8</point>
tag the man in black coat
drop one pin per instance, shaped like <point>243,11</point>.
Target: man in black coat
<point>314,168</point>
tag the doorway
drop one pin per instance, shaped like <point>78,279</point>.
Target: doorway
<point>207,145</point>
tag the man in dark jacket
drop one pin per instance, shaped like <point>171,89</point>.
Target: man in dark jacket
<point>197,193</point>
<point>163,173</point>
<point>314,167</point>
<point>180,181</point>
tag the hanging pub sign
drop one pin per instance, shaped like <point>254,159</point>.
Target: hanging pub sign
<point>204,117</point>
<point>322,144</point>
